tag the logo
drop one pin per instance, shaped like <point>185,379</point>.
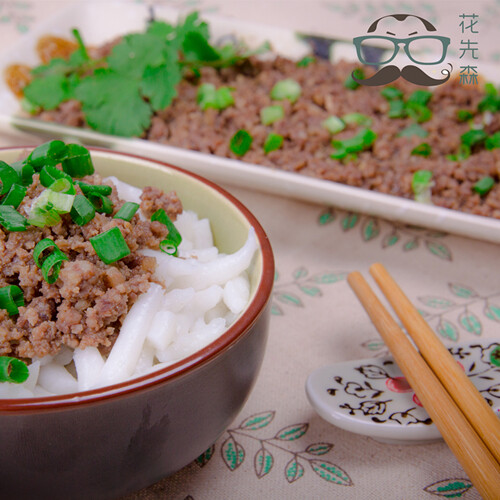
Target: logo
<point>412,33</point>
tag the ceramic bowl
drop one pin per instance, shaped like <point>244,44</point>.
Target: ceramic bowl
<point>115,440</point>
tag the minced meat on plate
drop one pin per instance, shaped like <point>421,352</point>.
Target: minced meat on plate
<point>89,301</point>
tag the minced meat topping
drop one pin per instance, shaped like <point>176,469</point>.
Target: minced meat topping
<point>89,301</point>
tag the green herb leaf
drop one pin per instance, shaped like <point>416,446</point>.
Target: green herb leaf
<point>159,84</point>
<point>241,142</point>
<point>48,92</point>
<point>273,142</point>
<point>135,53</point>
<point>112,104</point>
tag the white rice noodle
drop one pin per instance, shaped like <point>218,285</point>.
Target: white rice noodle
<point>203,292</point>
<point>56,379</point>
<point>88,364</point>
<point>179,273</point>
<point>126,350</point>
<point>126,191</point>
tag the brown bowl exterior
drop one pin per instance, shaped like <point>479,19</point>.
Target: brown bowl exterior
<point>114,441</point>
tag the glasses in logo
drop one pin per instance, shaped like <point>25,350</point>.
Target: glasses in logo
<point>425,49</point>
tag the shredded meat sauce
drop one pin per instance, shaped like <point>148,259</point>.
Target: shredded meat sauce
<point>88,302</point>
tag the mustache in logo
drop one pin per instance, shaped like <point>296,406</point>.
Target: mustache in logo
<point>412,74</point>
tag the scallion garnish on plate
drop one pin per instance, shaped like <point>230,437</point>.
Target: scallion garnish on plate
<point>286,89</point>
<point>271,114</point>
<point>273,142</point>
<point>421,185</point>
<point>241,142</point>
<point>483,186</point>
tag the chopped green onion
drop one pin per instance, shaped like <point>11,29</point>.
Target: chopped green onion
<point>271,114</point>
<point>420,97</point>
<point>42,217</point>
<point>484,185</point>
<point>464,115</point>
<point>49,153</point>
<point>423,149</point>
<point>63,185</point>
<point>421,184</point>
<point>77,162</point>
<point>391,93</point>
<point>418,112</point>
<point>492,100</point>
<point>49,174</point>
<point>95,188</point>
<point>127,211</point>
<point>110,246</point>
<point>463,153</point>
<point>357,119</point>
<point>50,199</point>
<point>11,219</point>
<point>333,124</point>
<point>11,299</point>
<point>101,203</point>
<point>286,89</point>
<point>82,210</point>
<point>413,129</point>
<point>241,142</point>
<point>493,141</point>
<point>174,238</point>
<point>305,61</point>
<point>210,97</point>
<point>15,196</point>
<point>352,84</point>
<point>51,263</point>
<point>25,172</point>
<point>473,137</point>
<point>8,176</point>
<point>396,109</point>
<point>362,140</point>
<point>13,370</point>
<point>273,142</point>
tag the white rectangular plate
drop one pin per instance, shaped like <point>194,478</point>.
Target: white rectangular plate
<point>100,22</point>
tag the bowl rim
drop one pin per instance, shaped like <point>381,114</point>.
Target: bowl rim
<point>201,357</point>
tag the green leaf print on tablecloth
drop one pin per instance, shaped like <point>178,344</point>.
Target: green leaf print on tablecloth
<point>18,14</point>
<point>466,311</point>
<point>301,286</point>
<point>390,234</point>
<point>271,449</point>
<point>449,488</point>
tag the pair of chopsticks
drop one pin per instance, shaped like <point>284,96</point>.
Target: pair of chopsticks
<point>464,419</point>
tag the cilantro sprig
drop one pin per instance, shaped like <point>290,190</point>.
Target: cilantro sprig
<point>120,93</point>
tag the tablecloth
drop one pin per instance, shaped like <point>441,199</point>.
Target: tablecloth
<point>316,319</point>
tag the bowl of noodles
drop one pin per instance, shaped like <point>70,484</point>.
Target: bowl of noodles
<point>133,321</point>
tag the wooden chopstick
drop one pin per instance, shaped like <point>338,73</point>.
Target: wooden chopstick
<point>442,363</point>
<point>474,456</point>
